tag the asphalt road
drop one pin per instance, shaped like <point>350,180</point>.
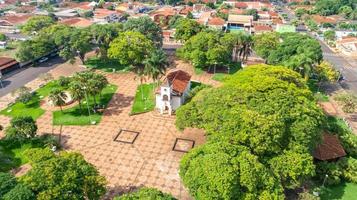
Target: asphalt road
<point>347,66</point>
<point>22,77</point>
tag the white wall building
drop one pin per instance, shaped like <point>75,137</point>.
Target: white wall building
<point>173,91</point>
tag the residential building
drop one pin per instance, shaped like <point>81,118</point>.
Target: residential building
<point>240,23</point>
<point>285,28</point>
<point>8,64</point>
<point>11,23</point>
<point>172,93</point>
<point>259,29</point>
<point>77,22</point>
<point>216,23</point>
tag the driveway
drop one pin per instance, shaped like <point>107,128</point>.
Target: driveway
<point>20,78</point>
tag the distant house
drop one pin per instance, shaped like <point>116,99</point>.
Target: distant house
<point>216,23</point>
<point>11,23</point>
<point>8,64</point>
<point>3,44</point>
<point>163,15</point>
<point>172,93</point>
<point>240,23</point>
<point>66,13</point>
<point>105,16</point>
<point>259,29</point>
<point>347,46</point>
<point>77,22</point>
<point>330,149</point>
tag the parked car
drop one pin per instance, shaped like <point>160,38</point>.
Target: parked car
<point>43,59</point>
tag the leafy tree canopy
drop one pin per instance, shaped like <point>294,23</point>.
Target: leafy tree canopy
<point>186,28</point>
<point>147,27</point>
<point>267,111</point>
<point>66,176</point>
<point>130,48</point>
<point>21,128</point>
<point>146,194</point>
<point>36,23</point>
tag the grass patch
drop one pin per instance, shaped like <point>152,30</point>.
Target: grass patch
<point>12,152</point>
<point>78,116</point>
<point>31,108</point>
<point>198,71</point>
<point>233,68</point>
<point>342,191</point>
<point>108,65</point>
<point>144,99</point>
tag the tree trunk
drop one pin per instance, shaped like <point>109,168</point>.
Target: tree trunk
<point>61,108</point>
<point>80,104</point>
<point>94,99</point>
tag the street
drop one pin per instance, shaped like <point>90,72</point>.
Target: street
<point>20,77</point>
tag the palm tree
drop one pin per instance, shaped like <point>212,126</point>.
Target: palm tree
<point>76,91</point>
<point>155,65</point>
<point>58,97</point>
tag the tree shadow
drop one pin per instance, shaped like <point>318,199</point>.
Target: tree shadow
<point>116,105</point>
<point>333,192</point>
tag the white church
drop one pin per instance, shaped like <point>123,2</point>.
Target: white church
<point>173,91</point>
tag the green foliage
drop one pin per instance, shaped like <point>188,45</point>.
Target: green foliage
<point>296,51</point>
<point>58,97</point>
<point>7,182</point>
<point>146,27</point>
<point>146,194</point>
<point>325,71</point>
<point>186,28</point>
<point>36,155</point>
<point>252,12</point>
<point>144,100</point>
<point>226,171</point>
<point>264,43</point>
<point>19,192</point>
<point>36,23</point>
<point>66,176</point>
<point>24,94</point>
<point>348,101</point>
<point>174,20</point>
<point>330,35</point>
<point>2,37</point>
<point>130,48</point>
<point>21,128</point>
<point>270,115</point>
<point>300,12</point>
<point>331,7</point>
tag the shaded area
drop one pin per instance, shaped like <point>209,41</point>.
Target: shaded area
<point>144,100</point>
<point>33,107</point>
<point>342,191</point>
<point>107,65</point>
<point>80,116</point>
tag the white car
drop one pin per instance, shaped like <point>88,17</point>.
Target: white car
<point>43,59</point>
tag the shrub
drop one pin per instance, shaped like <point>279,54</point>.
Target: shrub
<point>19,192</point>
<point>24,94</point>
<point>146,194</point>
<point>37,155</point>
<point>64,81</point>
<point>21,128</point>
<point>7,182</point>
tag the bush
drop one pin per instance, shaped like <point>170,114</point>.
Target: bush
<point>7,182</point>
<point>19,192</point>
<point>146,194</point>
<point>64,81</point>
<point>37,155</point>
<point>331,169</point>
<point>21,128</point>
<point>349,169</point>
<point>308,196</point>
<point>24,94</point>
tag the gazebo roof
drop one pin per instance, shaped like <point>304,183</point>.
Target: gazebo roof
<point>329,149</point>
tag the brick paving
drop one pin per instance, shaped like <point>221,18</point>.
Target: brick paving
<point>150,161</point>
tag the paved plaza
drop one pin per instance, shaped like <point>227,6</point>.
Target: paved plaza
<point>141,155</point>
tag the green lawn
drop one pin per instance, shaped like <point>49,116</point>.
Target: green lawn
<point>77,116</point>
<point>342,191</point>
<point>144,99</point>
<point>31,108</point>
<point>108,65</point>
<point>12,153</point>
<point>233,68</point>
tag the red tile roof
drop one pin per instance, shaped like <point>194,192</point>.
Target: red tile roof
<point>101,12</point>
<point>6,62</point>
<point>77,22</point>
<point>262,28</point>
<point>329,149</point>
<point>216,21</point>
<point>241,5</point>
<point>16,19</point>
<point>179,80</point>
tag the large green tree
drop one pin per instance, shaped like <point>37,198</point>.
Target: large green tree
<point>66,176</point>
<point>130,48</point>
<point>21,128</point>
<point>36,23</point>
<point>186,28</point>
<point>270,112</point>
<point>147,194</point>
<point>147,27</point>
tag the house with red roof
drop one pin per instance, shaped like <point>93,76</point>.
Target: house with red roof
<point>259,29</point>
<point>348,46</point>
<point>173,91</point>
<point>163,15</point>
<point>11,23</point>
<point>216,23</point>
<point>78,22</point>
